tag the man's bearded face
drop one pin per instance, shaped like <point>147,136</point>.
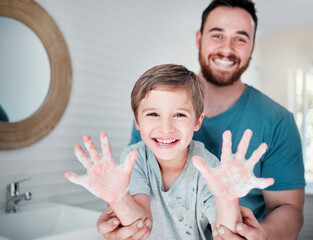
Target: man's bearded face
<point>221,77</point>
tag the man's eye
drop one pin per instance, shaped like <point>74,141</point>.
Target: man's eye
<point>217,36</point>
<point>240,40</point>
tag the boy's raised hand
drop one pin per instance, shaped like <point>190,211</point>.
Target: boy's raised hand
<point>233,177</point>
<point>104,178</point>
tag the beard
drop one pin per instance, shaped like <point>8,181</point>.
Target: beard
<point>221,78</point>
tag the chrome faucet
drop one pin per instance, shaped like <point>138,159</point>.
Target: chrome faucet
<point>13,196</point>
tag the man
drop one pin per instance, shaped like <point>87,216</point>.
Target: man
<point>226,41</point>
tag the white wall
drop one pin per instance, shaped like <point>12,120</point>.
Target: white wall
<point>280,54</point>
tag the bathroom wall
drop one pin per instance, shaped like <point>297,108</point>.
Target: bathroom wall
<point>278,64</point>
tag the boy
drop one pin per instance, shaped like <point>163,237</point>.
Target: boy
<point>164,187</point>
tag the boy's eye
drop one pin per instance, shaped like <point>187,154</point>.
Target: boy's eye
<point>152,114</point>
<point>180,115</point>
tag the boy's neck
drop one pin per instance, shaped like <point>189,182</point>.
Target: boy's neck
<point>171,170</point>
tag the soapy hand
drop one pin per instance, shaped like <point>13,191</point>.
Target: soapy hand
<point>233,177</point>
<point>104,178</point>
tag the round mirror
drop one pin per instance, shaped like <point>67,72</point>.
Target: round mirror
<point>41,120</point>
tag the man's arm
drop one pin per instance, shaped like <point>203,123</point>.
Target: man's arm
<point>284,213</point>
<point>284,218</point>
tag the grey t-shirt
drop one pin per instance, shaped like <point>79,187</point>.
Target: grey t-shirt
<point>186,209</point>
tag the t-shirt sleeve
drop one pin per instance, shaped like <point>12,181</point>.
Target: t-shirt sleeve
<point>283,160</point>
<point>139,182</point>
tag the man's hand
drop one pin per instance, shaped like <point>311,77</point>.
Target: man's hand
<point>250,228</point>
<point>108,226</point>
<point>104,178</point>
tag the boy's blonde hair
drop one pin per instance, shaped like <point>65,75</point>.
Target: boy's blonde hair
<point>169,77</point>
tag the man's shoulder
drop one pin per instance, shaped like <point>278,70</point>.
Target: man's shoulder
<point>262,103</point>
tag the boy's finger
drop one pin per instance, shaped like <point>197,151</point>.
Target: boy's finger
<point>130,161</point>
<point>243,145</point>
<point>82,157</point>
<point>74,178</point>
<point>226,147</point>
<point>263,183</point>
<point>201,165</point>
<point>256,156</point>
<point>91,148</point>
<point>106,148</point>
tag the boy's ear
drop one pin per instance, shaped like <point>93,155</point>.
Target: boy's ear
<point>199,122</point>
<point>136,123</point>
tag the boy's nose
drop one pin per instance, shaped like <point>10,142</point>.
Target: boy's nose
<point>167,125</point>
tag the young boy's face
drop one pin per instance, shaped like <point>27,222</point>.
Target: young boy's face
<point>167,121</point>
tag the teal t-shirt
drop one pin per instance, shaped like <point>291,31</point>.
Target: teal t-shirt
<point>270,123</point>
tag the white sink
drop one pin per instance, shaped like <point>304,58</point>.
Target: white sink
<point>49,221</point>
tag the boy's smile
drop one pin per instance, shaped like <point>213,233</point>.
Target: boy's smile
<point>166,142</point>
<point>167,121</point>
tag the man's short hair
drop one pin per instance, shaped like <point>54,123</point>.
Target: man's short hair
<point>247,5</point>
<point>169,77</point>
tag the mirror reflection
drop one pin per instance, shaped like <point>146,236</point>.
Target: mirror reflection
<point>53,59</point>
<point>24,72</point>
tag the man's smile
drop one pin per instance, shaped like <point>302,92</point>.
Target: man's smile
<point>223,62</point>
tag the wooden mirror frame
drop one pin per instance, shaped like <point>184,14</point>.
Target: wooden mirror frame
<point>23,133</point>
